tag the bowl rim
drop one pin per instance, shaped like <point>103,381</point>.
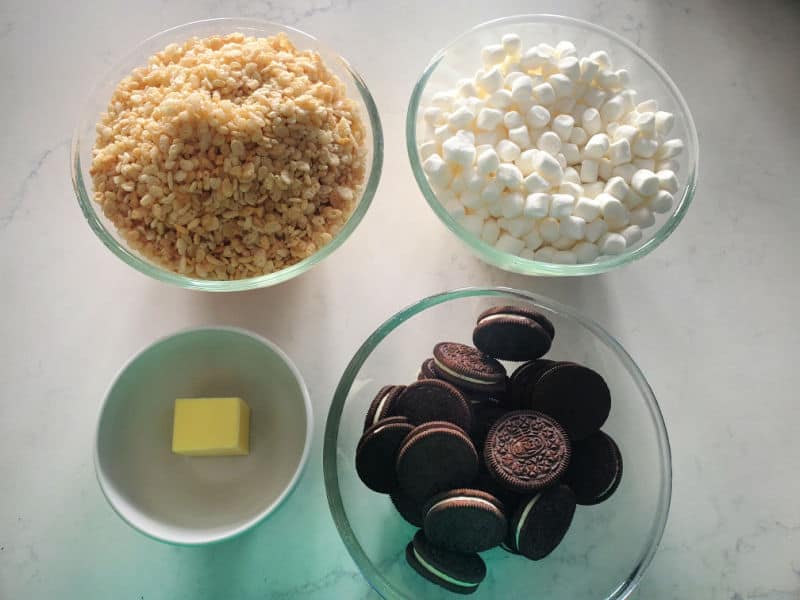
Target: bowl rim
<point>143,265</point>
<point>266,512</point>
<point>526,266</point>
<point>331,435</point>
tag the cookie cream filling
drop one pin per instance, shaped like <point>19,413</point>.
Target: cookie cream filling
<point>498,316</point>
<point>523,517</point>
<point>378,410</point>
<point>440,574</point>
<point>464,498</point>
<point>452,373</point>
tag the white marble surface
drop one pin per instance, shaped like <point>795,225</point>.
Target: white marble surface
<point>710,316</point>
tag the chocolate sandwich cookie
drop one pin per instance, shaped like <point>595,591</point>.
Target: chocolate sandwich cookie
<point>376,453</point>
<point>456,572</point>
<point>409,509</point>
<point>465,520</point>
<point>380,405</point>
<point>526,451</point>
<point>575,396</point>
<point>469,368</point>
<point>433,400</point>
<point>595,468</point>
<point>541,522</point>
<point>523,380</point>
<point>435,457</point>
<point>485,482</point>
<point>484,415</point>
<point>513,333</point>
<point>426,370</point>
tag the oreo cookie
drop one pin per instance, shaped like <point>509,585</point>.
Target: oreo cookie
<point>468,368</point>
<point>523,381</point>
<point>454,571</point>
<point>484,415</point>
<point>409,509</point>
<point>575,396</point>
<point>595,469</point>
<point>527,451</point>
<point>380,405</point>
<point>541,522</point>
<point>513,333</point>
<point>465,520</point>
<point>433,400</point>
<point>376,453</point>
<point>426,370</point>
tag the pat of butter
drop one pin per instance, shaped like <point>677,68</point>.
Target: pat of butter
<point>211,427</point>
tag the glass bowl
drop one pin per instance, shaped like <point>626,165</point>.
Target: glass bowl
<point>84,137</point>
<point>461,58</point>
<point>608,546</point>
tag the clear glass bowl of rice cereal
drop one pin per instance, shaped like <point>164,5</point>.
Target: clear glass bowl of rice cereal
<point>227,154</point>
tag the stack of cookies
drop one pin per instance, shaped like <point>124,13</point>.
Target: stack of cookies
<point>477,459</point>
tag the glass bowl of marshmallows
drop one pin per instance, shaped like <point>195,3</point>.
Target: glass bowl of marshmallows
<point>552,146</point>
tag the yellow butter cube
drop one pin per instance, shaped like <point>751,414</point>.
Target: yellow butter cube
<point>211,427</point>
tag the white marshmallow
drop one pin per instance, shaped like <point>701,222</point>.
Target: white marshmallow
<point>591,190</point>
<point>443,100</point>
<point>633,199</point>
<point>589,170</point>
<point>589,69</point>
<point>520,136</point>
<point>428,148</point>
<point>667,181</point>
<point>578,136</point>
<point>661,202</point>
<point>644,182</point>
<point>474,104</point>
<point>563,242</point>
<point>491,193</point>
<point>617,187</point>
<point>499,99</point>
<point>629,99</point>
<point>509,176</point>
<point>561,205</point>
<point>441,133</point>
<point>534,58</point>
<point>596,147</point>
<point>587,209</point>
<point>526,159</point>
<point>461,118</point>
<point>614,212</point>
<point>670,149</point>
<point>625,171</point>
<point>472,223</point>
<point>537,205</point>
<point>535,183</point>
<point>549,229</point>
<point>533,240</point>
<point>611,129</point>
<point>573,227</point>
<point>549,142</point>
<point>509,244</point>
<point>564,105</point>
<point>571,153</point>
<point>522,89</point>
<point>458,151</point>
<point>512,44</point>
<point>595,230</point>
<point>512,77</point>
<point>481,212</point>
<point>544,94</point>
<point>526,253</point>
<point>455,209</point>
<point>565,48</point>
<point>571,174</point>
<point>619,152</point>
<point>632,234</point>
<point>467,88</point>
<point>548,168</point>
<point>437,171</point>
<point>471,199</point>
<point>538,116</point>
<point>562,160</point>
<point>647,106</point>
<point>594,97</point>
<point>646,123</point>
<point>487,162</point>
<point>604,169</point>
<point>571,188</point>
<point>668,165</point>
<point>586,252</point>
<point>623,78</point>
<point>591,121</point>
<point>565,257</point>
<point>562,126</point>
<point>644,147</point>
<point>433,116</point>
<point>627,132</point>
<point>507,150</point>
<point>561,84</point>
<point>601,58</point>
<point>613,109</point>
<point>664,122</point>
<point>512,204</point>
<point>517,227</point>
<point>489,118</point>
<point>643,217</point>
<point>545,254</point>
<point>490,231</point>
<point>495,209</point>
<point>513,119</point>
<point>489,138</point>
<point>490,80</point>
<point>493,54</point>
<point>612,243</point>
<point>570,67</point>
<point>644,163</point>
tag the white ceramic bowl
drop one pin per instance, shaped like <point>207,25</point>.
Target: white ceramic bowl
<point>200,500</point>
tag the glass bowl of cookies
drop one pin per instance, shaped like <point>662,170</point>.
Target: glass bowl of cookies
<point>227,154</point>
<point>490,441</point>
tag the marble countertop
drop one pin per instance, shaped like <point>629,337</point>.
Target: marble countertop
<point>710,316</point>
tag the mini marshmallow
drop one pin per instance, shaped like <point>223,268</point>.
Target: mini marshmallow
<point>668,165</point>
<point>643,217</point>
<point>625,132</point>
<point>571,153</point>
<point>544,94</point>
<point>571,188</point>
<point>526,160</point>
<point>549,229</point>
<point>437,171</point>
<point>596,147</point>
<point>441,133</point>
<point>611,129</point>
<point>474,104</point>
<point>594,97</point>
<point>644,163</point>
<point>572,175</point>
<point>613,109</point>
<point>534,58</point>
<point>623,78</point>
<point>455,209</point>
<point>517,227</point>
<point>561,205</point>
<point>520,136</point>
<point>589,69</point>
<point>614,212</point>
<point>443,100</point>
<point>633,199</point>
<point>495,209</point>
<point>645,182</point>
<point>489,118</point>
<point>646,123</point>
<point>549,142</point>
<point>612,243</point>
<point>632,234</point>
<point>522,88</point>
<point>562,160</point>
<point>509,244</point>
<point>457,150</point>
<point>433,116</point>
<point>573,227</point>
<point>647,106</point>
<point>589,171</point>
<point>538,116</point>
<point>512,44</point>
<point>570,67</point>
<point>490,231</point>
<point>533,240</point>
<point>670,149</point>
<point>617,187</point>
<point>472,223</point>
<point>664,122</point>
<point>490,80</point>
<point>466,88</point>
<point>595,230</point>
<point>493,54</point>
<point>629,99</point>
<point>591,121</point>
<point>545,254</point>
<point>507,150</point>
<point>591,190</point>
<point>604,169</point>
<point>564,105</point>
<point>489,138</point>
<point>619,152</point>
<point>601,58</point>
<point>565,48</point>
<point>563,243</point>
<point>644,147</point>
<point>561,84</point>
<point>509,176</point>
<point>491,193</point>
<point>471,199</point>
<point>661,202</point>
<point>537,205</point>
<point>625,171</point>
<point>535,183</point>
<point>548,168</point>
<point>512,77</point>
<point>461,119</point>
<point>428,148</point>
<point>513,119</point>
<point>481,212</point>
<point>667,181</point>
<point>587,209</point>
<point>499,99</point>
<point>586,252</point>
<point>512,205</point>
<point>565,257</point>
<point>578,136</point>
<point>487,162</point>
<point>562,126</point>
